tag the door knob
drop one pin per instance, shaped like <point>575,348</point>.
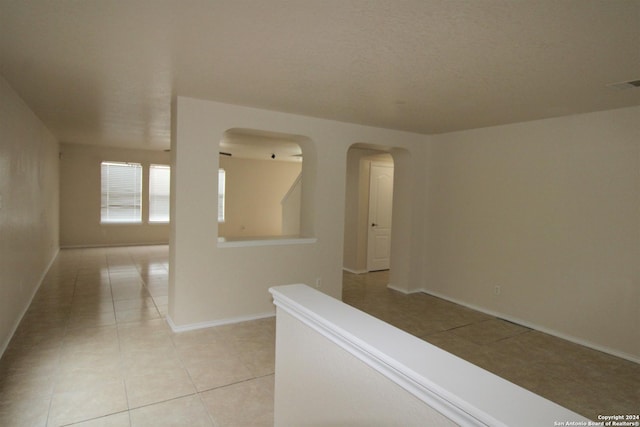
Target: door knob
<point>373,224</point>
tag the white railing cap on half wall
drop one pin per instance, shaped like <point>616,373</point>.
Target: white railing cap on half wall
<point>461,391</point>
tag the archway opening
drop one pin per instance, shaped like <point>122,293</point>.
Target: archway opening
<point>368,209</point>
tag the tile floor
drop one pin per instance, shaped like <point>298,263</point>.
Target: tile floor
<point>94,350</point>
<point>586,381</point>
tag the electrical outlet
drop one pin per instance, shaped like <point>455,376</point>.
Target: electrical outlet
<point>318,282</point>
<point>497,290</point>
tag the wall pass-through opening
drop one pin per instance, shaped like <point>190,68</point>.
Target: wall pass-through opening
<point>264,185</point>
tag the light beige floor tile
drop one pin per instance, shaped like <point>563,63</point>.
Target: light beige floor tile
<point>163,309</point>
<point>116,420</point>
<point>136,303</point>
<point>134,341</point>
<point>185,411</point>
<point>199,337</point>
<point>76,374</point>
<point>30,361</point>
<point>157,387</point>
<point>157,291</point>
<point>81,405</point>
<point>217,372</point>
<point>25,386</point>
<point>160,299</point>
<point>24,413</point>
<point>460,347</point>
<point>93,290</point>
<point>91,319</point>
<point>158,282</point>
<point>92,306</point>
<point>45,320</point>
<point>148,326</point>
<point>247,404</point>
<point>39,339</point>
<point>137,314</point>
<point>204,353</point>
<point>122,279</point>
<point>101,338</point>
<point>256,343</point>
<point>251,330</point>
<point>50,298</point>
<point>149,362</point>
<point>92,281</point>
<point>127,294</point>
<point>83,300</point>
<point>259,362</point>
<point>489,331</point>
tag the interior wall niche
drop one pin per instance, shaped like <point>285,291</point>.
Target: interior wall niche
<point>264,192</point>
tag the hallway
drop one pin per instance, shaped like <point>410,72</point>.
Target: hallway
<point>94,349</point>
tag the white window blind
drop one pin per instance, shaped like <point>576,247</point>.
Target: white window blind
<point>121,192</point>
<point>221,190</point>
<point>159,193</point>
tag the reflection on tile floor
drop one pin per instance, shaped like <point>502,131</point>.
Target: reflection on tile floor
<point>586,381</point>
<point>94,350</point>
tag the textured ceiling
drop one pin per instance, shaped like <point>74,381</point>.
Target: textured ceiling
<point>104,72</point>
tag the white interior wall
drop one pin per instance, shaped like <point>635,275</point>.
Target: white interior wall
<point>290,204</point>
<point>80,192</point>
<point>549,211</point>
<point>210,283</point>
<point>340,390</point>
<point>29,176</point>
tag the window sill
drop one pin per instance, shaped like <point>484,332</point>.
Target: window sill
<point>241,242</point>
<point>109,224</point>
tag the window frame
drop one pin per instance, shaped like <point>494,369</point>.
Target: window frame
<point>152,194</point>
<point>222,185</point>
<point>137,186</point>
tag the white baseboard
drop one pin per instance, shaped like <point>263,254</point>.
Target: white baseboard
<point>219,322</point>
<point>530,325</point>
<point>5,344</point>
<point>112,245</point>
<point>404,291</point>
<point>348,270</point>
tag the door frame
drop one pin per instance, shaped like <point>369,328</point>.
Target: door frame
<point>409,203</point>
<point>370,260</point>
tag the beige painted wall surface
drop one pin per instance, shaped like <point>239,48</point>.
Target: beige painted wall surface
<point>80,189</point>
<point>254,190</point>
<point>550,212</point>
<point>29,173</point>
<point>210,283</point>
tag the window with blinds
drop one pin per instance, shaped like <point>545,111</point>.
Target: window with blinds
<point>221,190</point>
<point>121,192</point>
<point>159,193</point>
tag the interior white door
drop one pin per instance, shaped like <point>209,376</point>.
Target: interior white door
<point>380,209</point>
